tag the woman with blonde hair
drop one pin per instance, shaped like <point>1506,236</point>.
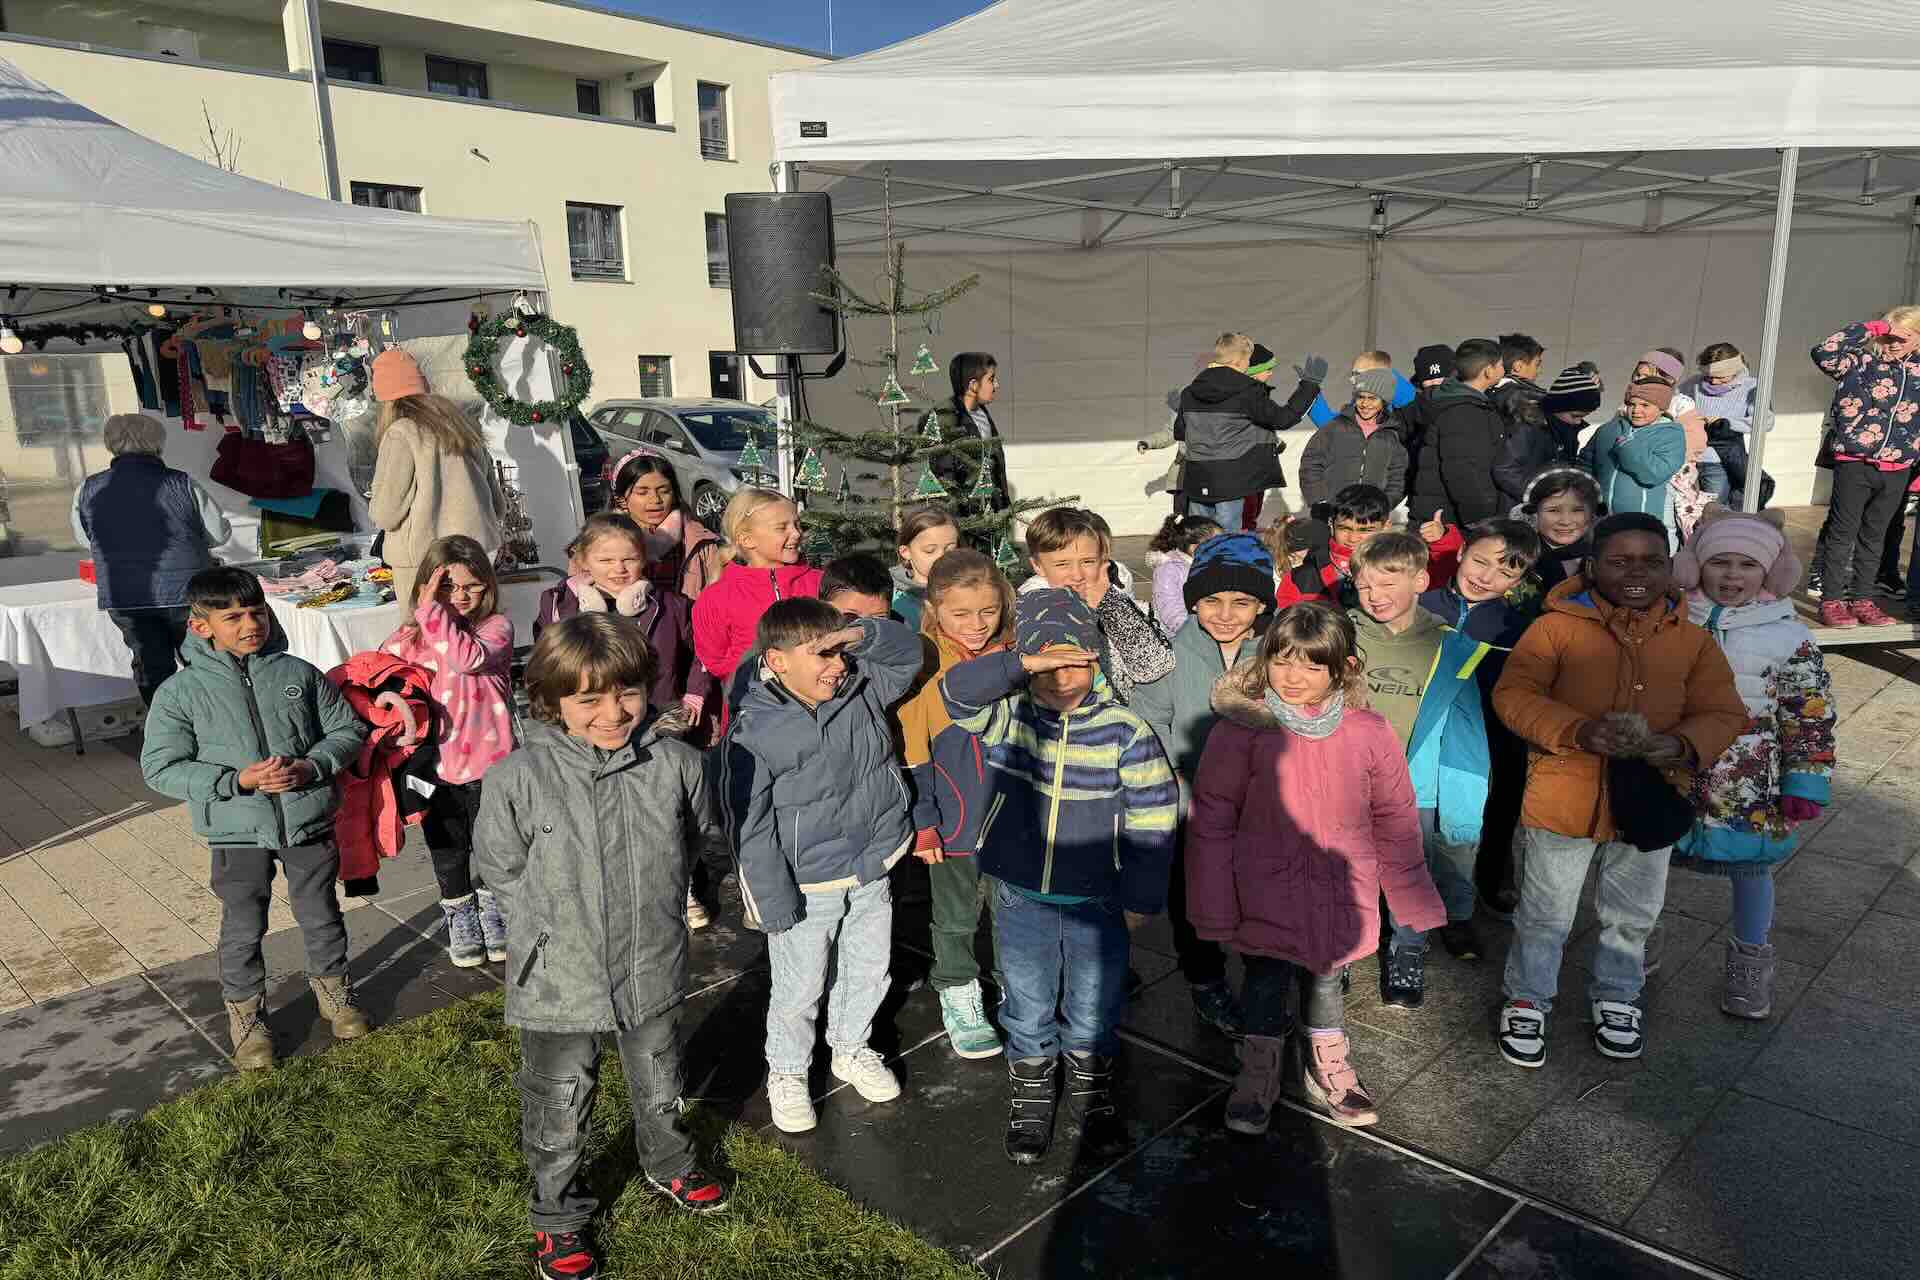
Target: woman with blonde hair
<point>150,528</point>
<point>433,477</point>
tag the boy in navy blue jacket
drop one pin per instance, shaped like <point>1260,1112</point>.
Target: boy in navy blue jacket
<point>817,808</point>
<point>1496,558</point>
<point>1079,838</point>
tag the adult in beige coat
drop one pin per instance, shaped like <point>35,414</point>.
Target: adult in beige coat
<point>433,477</point>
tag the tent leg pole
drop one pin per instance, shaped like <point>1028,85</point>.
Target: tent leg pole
<point>1373,292</point>
<point>1913,254</point>
<point>322,104</point>
<point>786,177</point>
<point>1770,327</point>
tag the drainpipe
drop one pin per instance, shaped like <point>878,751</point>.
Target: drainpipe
<point>322,105</point>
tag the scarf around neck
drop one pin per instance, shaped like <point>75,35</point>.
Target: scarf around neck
<point>663,541</point>
<point>1307,724</point>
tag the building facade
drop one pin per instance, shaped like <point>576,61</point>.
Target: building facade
<point>618,137</point>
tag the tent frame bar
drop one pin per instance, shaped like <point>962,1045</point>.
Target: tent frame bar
<point>1770,329</point>
<point>1712,199</point>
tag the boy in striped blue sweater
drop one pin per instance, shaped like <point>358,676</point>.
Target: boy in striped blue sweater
<point>1078,838</point>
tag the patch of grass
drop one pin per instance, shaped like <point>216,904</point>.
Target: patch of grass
<point>398,1155</point>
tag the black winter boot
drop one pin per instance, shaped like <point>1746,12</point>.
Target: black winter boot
<point>1030,1116</point>
<point>1090,1099</point>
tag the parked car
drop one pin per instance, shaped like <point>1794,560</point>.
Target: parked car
<point>590,453</point>
<point>703,438</point>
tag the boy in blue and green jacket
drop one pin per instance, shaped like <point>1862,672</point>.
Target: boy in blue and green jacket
<point>251,738</point>
<point>1079,839</point>
<point>1421,677</point>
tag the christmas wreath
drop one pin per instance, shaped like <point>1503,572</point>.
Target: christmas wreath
<point>483,349</point>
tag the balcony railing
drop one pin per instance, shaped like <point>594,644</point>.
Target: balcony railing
<point>598,268</point>
<point>719,275</point>
<point>714,148</point>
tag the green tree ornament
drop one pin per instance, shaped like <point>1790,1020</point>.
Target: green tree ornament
<point>929,487</point>
<point>923,362</point>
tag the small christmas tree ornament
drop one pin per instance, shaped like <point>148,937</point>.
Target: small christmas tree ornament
<point>844,494</point>
<point>923,362</point>
<point>929,486</point>
<point>751,464</point>
<point>1004,557</point>
<point>812,474</point>
<point>930,425</point>
<point>983,491</point>
<point>891,396</point>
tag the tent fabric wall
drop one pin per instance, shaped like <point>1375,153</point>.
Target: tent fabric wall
<point>1090,344</point>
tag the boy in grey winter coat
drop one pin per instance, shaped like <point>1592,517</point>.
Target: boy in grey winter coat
<point>818,811</point>
<point>586,834</point>
<point>251,738</point>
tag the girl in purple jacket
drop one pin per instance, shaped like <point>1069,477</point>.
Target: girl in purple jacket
<point>1303,815</point>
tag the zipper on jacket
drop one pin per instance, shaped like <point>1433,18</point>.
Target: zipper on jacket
<point>533,958</point>
<point>260,736</point>
<point>1116,842</point>
<point>1053,809</point>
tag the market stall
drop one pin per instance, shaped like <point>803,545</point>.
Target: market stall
<point>243,316</point>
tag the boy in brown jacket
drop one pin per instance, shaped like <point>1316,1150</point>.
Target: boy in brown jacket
<point>1613,670</point>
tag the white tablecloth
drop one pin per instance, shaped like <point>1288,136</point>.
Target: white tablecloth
<point>65,652</point>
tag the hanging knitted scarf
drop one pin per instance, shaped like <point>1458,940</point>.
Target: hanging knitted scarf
<point>1309,724</point>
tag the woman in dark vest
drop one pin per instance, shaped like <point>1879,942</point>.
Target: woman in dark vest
<point>150,529</point>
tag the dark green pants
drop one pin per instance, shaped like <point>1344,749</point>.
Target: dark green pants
<point>958,891</point>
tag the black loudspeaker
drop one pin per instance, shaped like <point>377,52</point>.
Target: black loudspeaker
<point>776,244</point>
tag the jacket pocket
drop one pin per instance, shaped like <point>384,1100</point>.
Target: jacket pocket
<point>533,958</point>
<point>549,1118</point>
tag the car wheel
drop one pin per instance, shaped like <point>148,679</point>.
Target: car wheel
<point>709,503</point>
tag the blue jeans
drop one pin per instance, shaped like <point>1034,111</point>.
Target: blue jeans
<point>1451,866</point>
<point>1633,888</point>
<point>1066,974</point>
<point>1225,514</point>
<point>861,920</point>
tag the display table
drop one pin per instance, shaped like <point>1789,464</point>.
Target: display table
<point>66,652</point>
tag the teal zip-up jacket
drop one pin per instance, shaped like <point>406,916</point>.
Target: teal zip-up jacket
<point>1178,706</point>
<point>1084,803</point>
<point>216,715</point>
<point>1447,752</point>
<point>1633,464</point>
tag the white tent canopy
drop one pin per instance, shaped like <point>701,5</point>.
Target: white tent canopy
<point>1366,143</point>
<point>86,202</point>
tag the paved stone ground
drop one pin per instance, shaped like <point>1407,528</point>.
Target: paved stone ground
<point>1788,1148</point>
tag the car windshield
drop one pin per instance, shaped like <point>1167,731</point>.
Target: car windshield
<point>725,430</point>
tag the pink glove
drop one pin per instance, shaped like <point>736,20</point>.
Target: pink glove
<point>694,703</point>
<point>1798,809</point>
<point>1879,328</point>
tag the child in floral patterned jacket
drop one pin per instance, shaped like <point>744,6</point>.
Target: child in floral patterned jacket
<point>1774,777</point>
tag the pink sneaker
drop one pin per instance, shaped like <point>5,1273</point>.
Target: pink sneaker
<point>1837,613</point>
<point>1868,613</point>
<point>1332,1083</point>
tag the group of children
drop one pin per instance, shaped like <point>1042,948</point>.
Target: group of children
<point>1302,725</point>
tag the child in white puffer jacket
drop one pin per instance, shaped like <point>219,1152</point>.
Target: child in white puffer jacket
<point>1739,571</point>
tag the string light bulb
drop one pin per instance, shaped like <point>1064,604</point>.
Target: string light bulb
<point>157,310</point>
<point>10,342</point>
<point>311,330</point>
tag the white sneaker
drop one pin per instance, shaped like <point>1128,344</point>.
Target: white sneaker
<point>1523,1034</point>
<point>792,1107</point>
<point>697,917</point>
<point>1616,1029</point>
<point>868,1074</point>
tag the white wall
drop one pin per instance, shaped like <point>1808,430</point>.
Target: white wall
<point>1090,343</point>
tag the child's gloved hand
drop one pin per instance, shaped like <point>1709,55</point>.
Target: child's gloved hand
<point>632,598</point>
<point>927,846</point>
<point>1800,809</point>
<point>1312,369</point>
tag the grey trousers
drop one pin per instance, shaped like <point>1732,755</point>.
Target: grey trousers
<point>243,881</point>
<point>559,1079</point>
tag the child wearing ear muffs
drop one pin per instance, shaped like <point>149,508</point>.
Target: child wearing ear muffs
<point>1738,572</point>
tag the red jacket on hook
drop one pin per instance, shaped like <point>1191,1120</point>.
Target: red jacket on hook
<point>392,697</point>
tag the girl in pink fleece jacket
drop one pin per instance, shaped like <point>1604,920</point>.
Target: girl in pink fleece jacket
<point>762,530</point>
<point>1303,815</point>
<point>460,637</point>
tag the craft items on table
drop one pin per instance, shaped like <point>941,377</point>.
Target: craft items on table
<point>517,547</point>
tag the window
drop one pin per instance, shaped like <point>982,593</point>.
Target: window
<point>378,195</point>
<point>593,242</point>
<point>355,63</point>
<point>586,97</point>
<point>719,274</point>
<point>723,374</point>
<point>461,79</point>
<point>656,377</point>
<point>713,122</point>
<point>645,110</point>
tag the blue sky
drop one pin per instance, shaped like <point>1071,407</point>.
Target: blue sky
<point>858,25</point>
